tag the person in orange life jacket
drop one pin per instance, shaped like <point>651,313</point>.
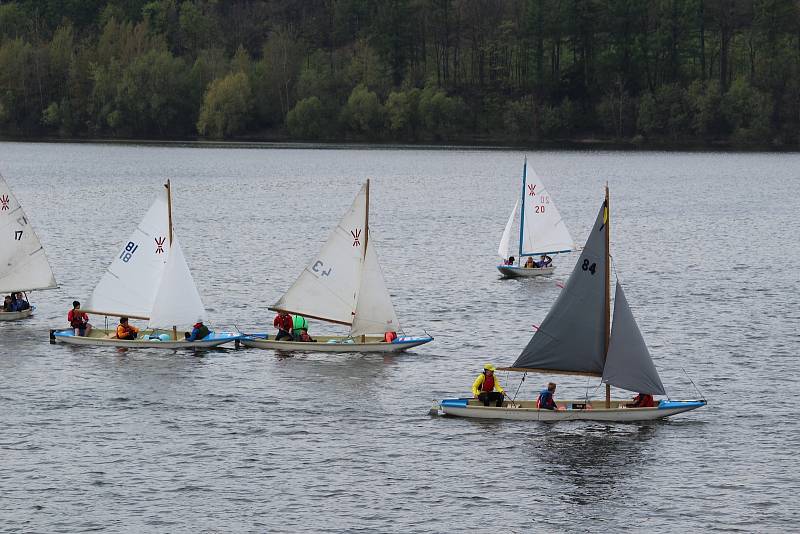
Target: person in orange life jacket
<point>199,331</point>
<point>126,331</point>
<point>529,263</point>
<point>78,320</point>
<point>642,400</point>
<point>283,322</point>
<point>546,400</point>
<point>487,389</point>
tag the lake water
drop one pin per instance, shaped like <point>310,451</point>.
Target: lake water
<point>252,441</point>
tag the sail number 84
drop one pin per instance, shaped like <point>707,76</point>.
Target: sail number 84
<point>586,267</point>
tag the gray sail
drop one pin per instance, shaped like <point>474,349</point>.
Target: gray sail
<point>628,364</point>
<point>571,338</point>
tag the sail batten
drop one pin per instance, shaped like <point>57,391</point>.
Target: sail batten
<point>23,262</point>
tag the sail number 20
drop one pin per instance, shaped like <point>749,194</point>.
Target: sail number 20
<point>127,254</point>
<point>591,268</point>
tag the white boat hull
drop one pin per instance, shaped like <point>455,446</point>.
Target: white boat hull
<point>99,338</point>
<point>592,411</point>
<point>15,316</point>
<point>512,271</point>
<point>338,344</point>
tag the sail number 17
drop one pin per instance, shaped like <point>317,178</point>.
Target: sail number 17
<point>127,254</point>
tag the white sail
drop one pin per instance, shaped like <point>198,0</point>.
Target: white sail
<point>130,284</point>
<point>23,264</point>
<point>177,302</point>
<point>327,289</point>
<point>505,242</point>
<point>543,230</point>
<point>374,309</point>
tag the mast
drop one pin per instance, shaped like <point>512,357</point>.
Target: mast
<point>607,301</point>
<point>522,210</point>
<point>366,244</point>
<point>169,221</point>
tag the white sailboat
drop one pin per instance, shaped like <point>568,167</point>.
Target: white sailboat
<point>344,285</point>
<point>149,280</point>
<point>576,337</point>
<point>23,263</point>
<point>541,230</point>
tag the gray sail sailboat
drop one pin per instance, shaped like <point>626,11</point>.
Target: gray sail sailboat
<point>576,337</point>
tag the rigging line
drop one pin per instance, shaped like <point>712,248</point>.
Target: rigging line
<point>519,386</point>
<point>695,386</point>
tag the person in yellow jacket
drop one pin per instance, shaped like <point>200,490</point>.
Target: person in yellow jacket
<point>126,331</point>
<point>487,389</point>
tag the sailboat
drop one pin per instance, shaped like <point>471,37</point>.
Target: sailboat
<point>344,285</point>
<point>541,230</point>
<point>23,263</point>
<point>149,280</point>
<point>577,337</point>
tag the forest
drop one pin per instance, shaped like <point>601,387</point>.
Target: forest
<point>659,73</point>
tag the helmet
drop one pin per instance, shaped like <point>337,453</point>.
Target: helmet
<point>489,367</point>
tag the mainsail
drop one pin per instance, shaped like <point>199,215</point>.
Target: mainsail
<point>328,287</point>
<point>130,284</point>
<point>504,250</point>
<point>628,363</point>
<point>23,264</point>
<point>571,339</point>
<point>542,230</point>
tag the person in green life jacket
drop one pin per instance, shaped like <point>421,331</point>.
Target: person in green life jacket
<point>487,389</point>
<point>199,331</point>
<point>300,329</point>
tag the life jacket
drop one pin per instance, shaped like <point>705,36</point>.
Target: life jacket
<point>388,337</point>
<point>545,400</point>
<point>77,319</point>
<point>299,323</point>
<point>488,383</point>
<point>125,331</point>
<point>283,322</point>
<point>202,332</point>
<point>643,400</point>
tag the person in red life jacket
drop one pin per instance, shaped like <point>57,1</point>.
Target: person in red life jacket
<point>199,331</point>
<point>546,400</point>
<point>283,322</point>
<point>642,400</point>
<point>487,389</point>
<point>78,320</point>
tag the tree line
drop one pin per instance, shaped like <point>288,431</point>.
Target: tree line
<point>669,72</point>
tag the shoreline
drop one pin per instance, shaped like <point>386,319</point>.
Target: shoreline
<point>555,145</point>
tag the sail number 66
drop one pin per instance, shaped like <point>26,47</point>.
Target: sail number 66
<point>586,267</point>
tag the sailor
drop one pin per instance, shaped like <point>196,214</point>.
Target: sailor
<point>642,400</point>
<point>529,263</point>
<point>18,303</point>
<point>486,388</point>
<point>545,260</point>
<point>300,330</point>
<point>546,400</point>
<point>126,331</point>
<point>283,322</point>
<point>78,320</point>
<point>199,331</point>
<point>7,304</point>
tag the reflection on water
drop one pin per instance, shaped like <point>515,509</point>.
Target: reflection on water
<point>253,440</point>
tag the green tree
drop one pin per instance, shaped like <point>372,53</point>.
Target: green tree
<point>363,113</point>
<point>226,106</point>
<point>307,119</point>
